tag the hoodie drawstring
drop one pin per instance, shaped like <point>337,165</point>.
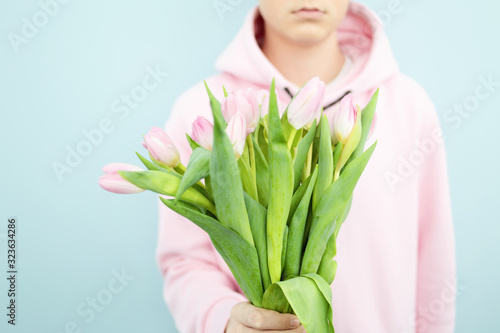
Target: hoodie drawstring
<point>326,106</point>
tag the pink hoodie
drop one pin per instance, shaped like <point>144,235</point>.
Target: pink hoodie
<point>396,259</point>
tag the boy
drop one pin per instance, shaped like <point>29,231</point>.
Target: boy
<point>396,262</point>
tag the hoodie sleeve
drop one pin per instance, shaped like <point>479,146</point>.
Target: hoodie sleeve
<point>436,284</point>
<point>198,293</point>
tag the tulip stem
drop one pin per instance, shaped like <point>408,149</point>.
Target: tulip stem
<point>255,133</point>
<point>307,167</point>
<point>336,155</point>
<point>336,173</point>
<point>180,168</point>
<point>249,185</point>
<point>251,154</point>
<point>291,138</point>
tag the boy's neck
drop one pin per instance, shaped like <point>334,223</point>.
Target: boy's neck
<point>299,62</point>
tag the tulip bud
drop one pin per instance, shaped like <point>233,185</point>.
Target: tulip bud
<point>161,148</point>
<point>237,134</point>
<point>346,129</point>
<point>246,103</point>
<point>113,182</point>
<point>306,104</point>
<point>344,116</point>
<point>203,132</point>
<point>263,97</point>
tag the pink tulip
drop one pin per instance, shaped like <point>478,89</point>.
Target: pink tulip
<point>113,182</point>
<point>237,134</point>
<point>161,147</point>
<point>203,132</point>
<point>342,118</point>
<point>345,128</point>
<point>246,103</point>
<point>306,105</point>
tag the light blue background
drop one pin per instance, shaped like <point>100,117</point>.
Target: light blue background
<point>72,234</point>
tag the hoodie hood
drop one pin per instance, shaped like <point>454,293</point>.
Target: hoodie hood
<point>361,38</point>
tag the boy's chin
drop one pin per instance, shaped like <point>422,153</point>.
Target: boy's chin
<point>308,35</point>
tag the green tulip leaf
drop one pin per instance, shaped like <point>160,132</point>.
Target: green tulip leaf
<point>301,155</point>
<point>281,188</point>
<point>327,266</point>
<point>329,208</point>
<point>366,122</point>
<point>150,165</point>
<point>227,188</point>
<point>262,174</point>
<point>257,215</point>
<point>297,197</point>
<point>240,256</point>
<point>261,138</point>
<point>296,230</point>
<point>247,178</point>
<point>325,162</point>
<point>309,299</point>
<point>193,144</point>
<point>167,184</point>
<point>198,168</point>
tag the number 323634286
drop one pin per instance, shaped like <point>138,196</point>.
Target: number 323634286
<point>11,243</point>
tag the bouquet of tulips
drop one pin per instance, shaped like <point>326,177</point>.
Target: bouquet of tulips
<point>271,191</point>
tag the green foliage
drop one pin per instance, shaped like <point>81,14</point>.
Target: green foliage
<point>274,214</point>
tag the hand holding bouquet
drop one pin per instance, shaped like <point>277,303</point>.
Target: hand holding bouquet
<point>271,191</point>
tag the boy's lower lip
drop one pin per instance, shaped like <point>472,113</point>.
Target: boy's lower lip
<point>309,14</point>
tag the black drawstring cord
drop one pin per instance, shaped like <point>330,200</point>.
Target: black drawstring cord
<point>326,106</point>
<point>336,101</point>
<point>288,92</point>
